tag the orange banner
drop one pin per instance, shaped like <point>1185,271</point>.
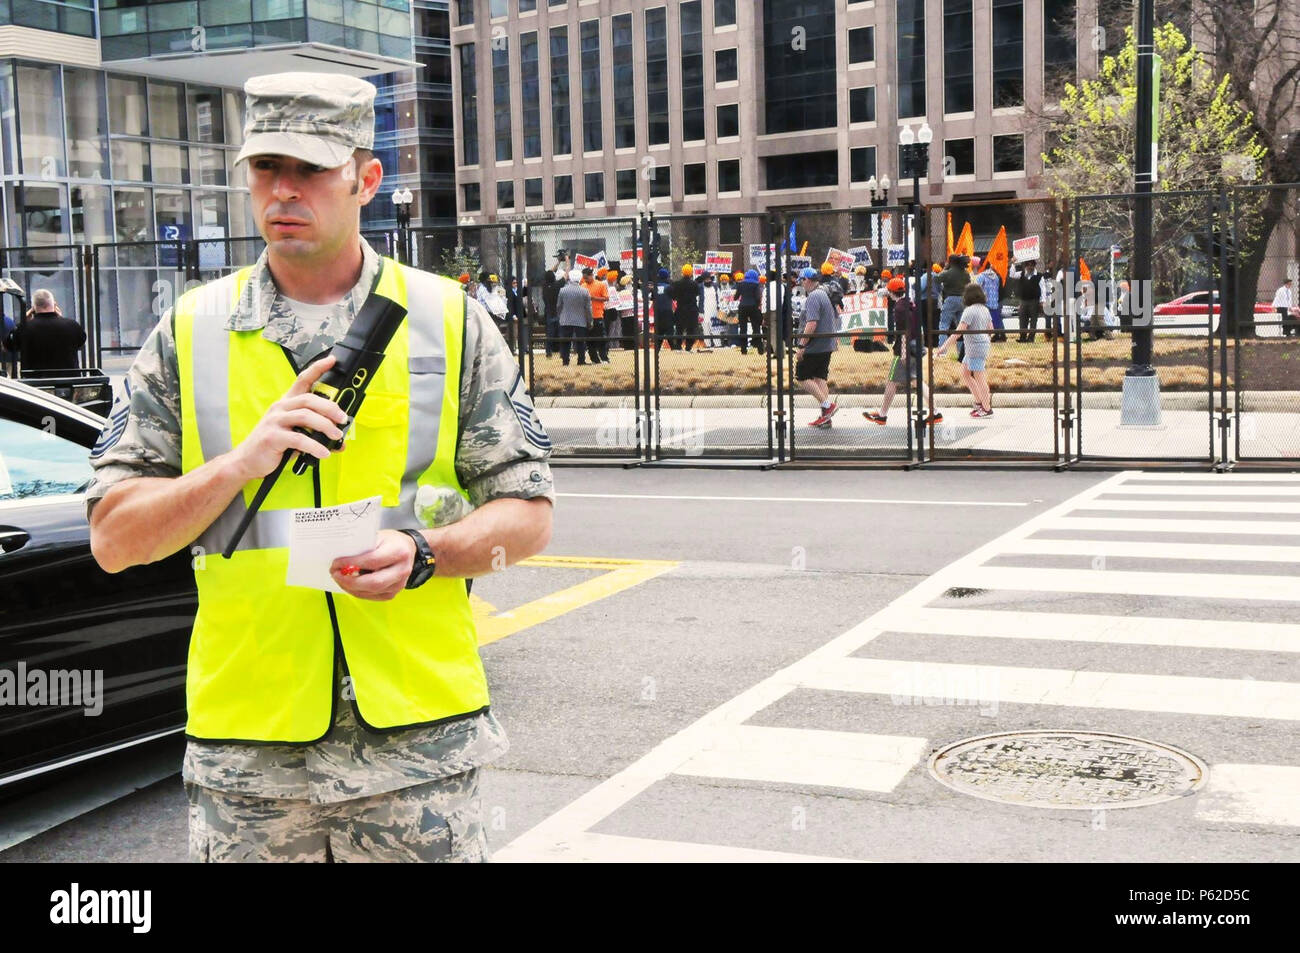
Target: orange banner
<point>999,257</point>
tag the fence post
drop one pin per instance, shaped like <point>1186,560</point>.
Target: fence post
<point>1218,215</point>
<point>777,223</point>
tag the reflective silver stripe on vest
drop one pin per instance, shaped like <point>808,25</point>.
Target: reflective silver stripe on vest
<point>210,349</point>
<point>427,366</point>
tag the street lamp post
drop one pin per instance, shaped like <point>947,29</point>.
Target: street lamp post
<point>879,199</point>
<point>916,162</point>
<point>402,199</point>
<point>1140,400</point>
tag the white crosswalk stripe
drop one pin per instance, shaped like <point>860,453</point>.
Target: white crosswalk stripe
<point>722,745</point>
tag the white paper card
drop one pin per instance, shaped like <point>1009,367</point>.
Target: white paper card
<point>317,537</point>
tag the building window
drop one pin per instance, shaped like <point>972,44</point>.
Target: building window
<point>591,139</point>
<point>728,121</point>
<point>527,6</point>
<point>505,194</point>
<point>593,188</point>
<point>694,177</point>
<point>729,175</point>
<point>533,192</point>
<point>729,230</point>
<point>862,163</point>
<point>624,84</point>
<point>958,64</point>
<point>1009,153</point>
<point>692,72</point>
<point>1058,46</point>
<point>498,8</point>
<point>724,13</point>
<point>862,104</point>
<point>656,74</point>
<point>799,77</point>
<point>911,58</point>
<point>625,185</point>
<point>464,12</point>
<point>860,224</point>
<point>532,95</point>
<point>473,196</point>
<point>803,170</point>
<point>1008,53</point>
<point>862,44</point>
<point>468,106</point>
<point>501,102</point>
<point>564,190</point>
<point>724,66</point>
<point>661,183</point>
<point>561,131</point>
<point>958,157</point>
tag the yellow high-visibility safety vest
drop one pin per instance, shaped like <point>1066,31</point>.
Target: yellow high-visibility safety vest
<point>262,654</point>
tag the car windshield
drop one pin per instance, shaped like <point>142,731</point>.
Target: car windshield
<point>36,461</point>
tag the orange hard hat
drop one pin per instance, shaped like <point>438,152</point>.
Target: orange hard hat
<point>886,274</point>
<point>935,268</point>
<point>687,270</point>
<point>896,285</point>
<point>828,268</point>
<point>464,278</point>
<point>725,277</point>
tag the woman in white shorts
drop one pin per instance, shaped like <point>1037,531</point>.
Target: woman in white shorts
<point>975,318</point>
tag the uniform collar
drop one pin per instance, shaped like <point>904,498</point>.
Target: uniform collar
<point>261,305</point>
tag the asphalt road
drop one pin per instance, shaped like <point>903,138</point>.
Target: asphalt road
<point>652,685</point>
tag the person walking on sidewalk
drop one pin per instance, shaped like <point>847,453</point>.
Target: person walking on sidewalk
<point>749,300</point>
<point>991,284</point>
<point>952,282</point>
<point>597,343</point>
<point>686,293</point>
<point>1030,292</point>
<point>574,308</point>
<point>907,356</point>
<point>1283,301</point>
<point>550,307</point>
<point>976,320</point>
<point>813,359</point>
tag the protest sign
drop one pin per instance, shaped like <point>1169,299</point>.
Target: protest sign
<point>1026,249</point>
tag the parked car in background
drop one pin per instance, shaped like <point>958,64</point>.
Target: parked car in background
<point>1189,312</point>
<point>61,613</point>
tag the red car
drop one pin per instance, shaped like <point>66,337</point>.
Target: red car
<point>1185,311</point>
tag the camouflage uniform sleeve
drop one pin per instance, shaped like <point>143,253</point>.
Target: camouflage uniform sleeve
<point>503,447</point>
<point>143,435</point>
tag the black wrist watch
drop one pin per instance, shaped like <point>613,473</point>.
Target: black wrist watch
<point>423,568</point>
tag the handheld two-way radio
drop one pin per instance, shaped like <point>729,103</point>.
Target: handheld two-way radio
<point>356,359</point>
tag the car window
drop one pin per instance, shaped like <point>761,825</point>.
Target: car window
<point>36,461</point>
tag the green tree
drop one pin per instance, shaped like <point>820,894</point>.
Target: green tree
<point>459,261</point>
<point>1207,140</point>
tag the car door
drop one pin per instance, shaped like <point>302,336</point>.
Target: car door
<point>90,659</point>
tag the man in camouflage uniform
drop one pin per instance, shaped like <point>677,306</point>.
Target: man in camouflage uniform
<point>355,795</point>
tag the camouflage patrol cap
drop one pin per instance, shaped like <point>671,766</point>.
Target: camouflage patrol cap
<point>316,117</point>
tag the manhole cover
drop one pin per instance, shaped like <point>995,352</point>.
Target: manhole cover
<point>1067,769</point>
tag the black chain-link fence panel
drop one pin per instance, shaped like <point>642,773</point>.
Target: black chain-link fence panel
<point>1000,399</point>
<point>595,408</point>
<point>1120,416</point>
<point>862,248</point>
<point>1262,248</point>
<point>711,381</point>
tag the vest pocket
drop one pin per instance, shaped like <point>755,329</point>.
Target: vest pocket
<point>374,457</point>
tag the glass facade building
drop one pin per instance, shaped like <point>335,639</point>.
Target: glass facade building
<point>132,29</point>
<point>138,161</point>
